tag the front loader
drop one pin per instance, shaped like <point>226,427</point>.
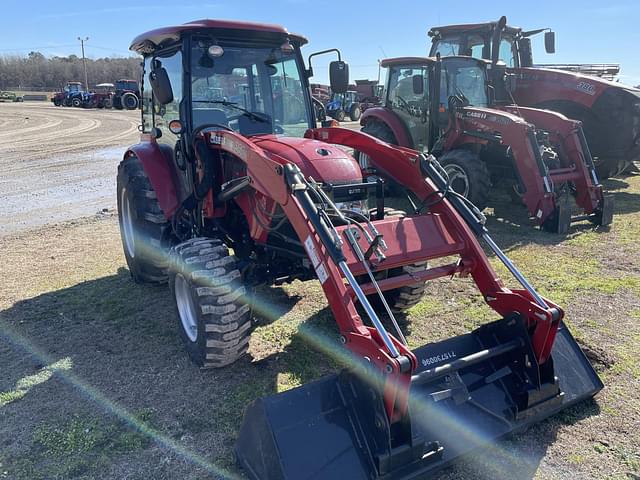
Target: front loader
<point>257,176</point>
<point>469,122</point>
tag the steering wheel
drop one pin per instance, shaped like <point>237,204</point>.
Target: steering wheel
<point>403,103</point>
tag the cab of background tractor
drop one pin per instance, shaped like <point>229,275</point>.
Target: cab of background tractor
<point>422,105</point>
<point>476,40</point>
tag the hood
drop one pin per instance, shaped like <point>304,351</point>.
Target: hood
<point>324,162</point>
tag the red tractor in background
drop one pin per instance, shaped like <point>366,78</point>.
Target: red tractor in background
<point>257,178</point>
<point>609,112</point>
<point>102,95</point>
<point>126,95</point>
<point>458,109</point>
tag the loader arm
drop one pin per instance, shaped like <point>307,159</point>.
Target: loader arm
<point>405,167</point>
<point>477,125</point>
<point>283,182</point>
<point>578,166</point>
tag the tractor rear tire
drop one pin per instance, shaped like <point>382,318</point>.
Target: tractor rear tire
<point>129,101</point>
<point>469,175</point>
<point>57,102</point>
<point>145,232</point>
<point>402,298</point>
<point>211,302</point>
<point>355,113</point>
<point>107,103</point>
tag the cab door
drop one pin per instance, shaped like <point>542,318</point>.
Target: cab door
<point>408,97</point>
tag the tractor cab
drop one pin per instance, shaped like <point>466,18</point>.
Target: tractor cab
<point>413,95</point>
<point>512,44</point>
<point>73,87</point>
<point>256,87</point>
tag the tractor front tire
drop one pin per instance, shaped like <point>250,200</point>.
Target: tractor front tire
<point>339,115</point>
<point>211,302</point>
<point>401,298</point>
<point>107,103</point>
<point>468,175</point>
<point>57,102</point>
<point>76,102</point>
<point>145,232</point>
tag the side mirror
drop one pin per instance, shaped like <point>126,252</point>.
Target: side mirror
<point>418,84</point>
<point>339,76</point>
<point>161,86</point>
<point>550,42</point>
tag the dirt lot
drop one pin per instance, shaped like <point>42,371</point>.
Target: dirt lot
<point>58,163</point>
<point>94,382</point>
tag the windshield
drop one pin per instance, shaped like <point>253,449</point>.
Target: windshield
<point>250,90</point>
<point>126,85</point>
<point>466,77</point>
<point>451,46</point>
<point>476,46</point>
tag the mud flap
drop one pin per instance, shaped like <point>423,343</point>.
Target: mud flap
<point>336,427</point>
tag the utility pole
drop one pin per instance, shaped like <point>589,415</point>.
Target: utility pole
<point>84,63</point>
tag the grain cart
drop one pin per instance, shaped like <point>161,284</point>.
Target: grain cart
<point>609,111</point>
<point>481,138</point>
<point>209,176</point>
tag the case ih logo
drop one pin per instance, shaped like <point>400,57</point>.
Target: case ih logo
<point>586,87</point>
<point>442,357</point>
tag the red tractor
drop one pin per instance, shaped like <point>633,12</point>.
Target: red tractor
<point>126,95</point>
<point>458,109</point>
<point>257,178</point>
<point>609,111</point>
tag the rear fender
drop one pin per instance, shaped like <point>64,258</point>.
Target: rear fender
<point>386,116</point>
<point>157,162</point>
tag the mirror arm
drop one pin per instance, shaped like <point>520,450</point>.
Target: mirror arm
<point>322,52</point>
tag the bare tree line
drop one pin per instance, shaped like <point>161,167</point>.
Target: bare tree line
<point>35,71</point>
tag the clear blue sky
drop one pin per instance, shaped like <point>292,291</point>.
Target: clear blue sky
<point>587,31</point>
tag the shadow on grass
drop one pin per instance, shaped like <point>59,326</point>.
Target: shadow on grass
<point>123,342</point>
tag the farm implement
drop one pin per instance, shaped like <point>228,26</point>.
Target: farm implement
<point>257,176</point>
<point>460,110</point>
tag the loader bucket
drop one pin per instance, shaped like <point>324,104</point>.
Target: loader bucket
<point>469,391</point>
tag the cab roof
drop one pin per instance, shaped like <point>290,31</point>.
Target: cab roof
<point>155,39</point>
<point>392,62</point>
<point>399,61</point>
<point>471,28</point>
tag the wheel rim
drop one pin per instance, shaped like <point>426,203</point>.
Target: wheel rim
<point>127,224</point>
<point>458,179</point>
<point>186,308</point>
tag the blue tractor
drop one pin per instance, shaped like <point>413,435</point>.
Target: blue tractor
<point>343,104</point>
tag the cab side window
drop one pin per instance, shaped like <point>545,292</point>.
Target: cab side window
<point>147,98</point>
<point>163,114</point>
